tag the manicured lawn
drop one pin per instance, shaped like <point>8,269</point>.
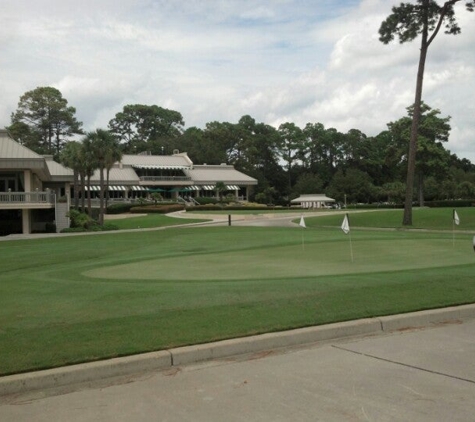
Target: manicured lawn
<point>423,218</point>
<point>73,299</point>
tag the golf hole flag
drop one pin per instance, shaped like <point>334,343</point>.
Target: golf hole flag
<point>302,223</point>
<point>456,218</point>
<point>345,226</point>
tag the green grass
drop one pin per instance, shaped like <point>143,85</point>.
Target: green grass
<point>423,218</point>
<point>73,299</point>
<point>150,221</point>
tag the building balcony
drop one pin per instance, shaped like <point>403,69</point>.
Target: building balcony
<point>27,200</point>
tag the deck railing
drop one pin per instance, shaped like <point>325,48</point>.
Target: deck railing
<point>27,197</point>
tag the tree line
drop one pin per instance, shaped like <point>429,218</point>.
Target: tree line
<point>287,161</point>
<point>290,160</point>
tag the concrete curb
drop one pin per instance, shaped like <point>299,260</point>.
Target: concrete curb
<point>94,371</point>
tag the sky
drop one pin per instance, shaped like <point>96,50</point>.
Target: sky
<point>301,61</point>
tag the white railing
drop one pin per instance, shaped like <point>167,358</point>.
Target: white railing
<point>27,197</point>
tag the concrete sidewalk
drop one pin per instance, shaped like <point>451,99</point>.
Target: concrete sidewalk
<point>173,358</point>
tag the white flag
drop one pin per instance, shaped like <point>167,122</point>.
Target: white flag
<point>302,223</point>
<point>456,218</point>
<point>345,226</point>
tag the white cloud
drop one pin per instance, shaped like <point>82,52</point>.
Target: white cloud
<point>276,60</point>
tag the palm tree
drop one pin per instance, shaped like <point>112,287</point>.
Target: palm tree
<point>89,165</point>
<point>220,188</point>
<point>106,150</point>
<point>114,154</point>
<point>70,157</point>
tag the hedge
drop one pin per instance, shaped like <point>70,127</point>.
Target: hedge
<point>119,208</point>
<point>454,203</point>
<point>161,209</point>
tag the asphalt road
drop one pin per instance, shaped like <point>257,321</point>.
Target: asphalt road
<point>411,375</point>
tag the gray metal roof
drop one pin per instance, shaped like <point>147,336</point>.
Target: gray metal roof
<point>180,161</point>
<point>14,156</point>
<point>58,171</point>
<point>125,175</point>
<point>316,197</point>
<point>210,174</point>
<point>13,150</point>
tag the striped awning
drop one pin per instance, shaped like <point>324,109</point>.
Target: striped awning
<point>232,187</point>
<point>117,188</point>
<point>138,188</point>
<point>207,187</point>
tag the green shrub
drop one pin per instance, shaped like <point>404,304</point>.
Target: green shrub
<point>206,201</point>
<point>73,230</point>
<point>109,227</point>
<point>454,203</point>
<point>161,209</point>
<point>119,208</point>
<point>79,219</point>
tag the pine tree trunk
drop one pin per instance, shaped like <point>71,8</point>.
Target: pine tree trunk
<point>411,160</point>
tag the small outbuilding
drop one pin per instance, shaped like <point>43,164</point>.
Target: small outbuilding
<point>313,201</point>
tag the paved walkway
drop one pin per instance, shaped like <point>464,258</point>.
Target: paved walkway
<point>409,375</point>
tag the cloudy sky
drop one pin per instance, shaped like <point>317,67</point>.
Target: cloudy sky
<point>217,60</point>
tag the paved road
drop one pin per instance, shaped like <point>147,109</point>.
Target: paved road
<point>413,375</point>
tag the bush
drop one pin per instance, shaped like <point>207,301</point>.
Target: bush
<point>454,203</point>
<point>161,209</point>
<point>119,208</point>
<point>79,219</point>
<point>73,230</point>
<point>206,201</point>
<point>81,222</point>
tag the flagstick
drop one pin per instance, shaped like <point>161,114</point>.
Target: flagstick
<point>453,233</point>
<point>351,247</point>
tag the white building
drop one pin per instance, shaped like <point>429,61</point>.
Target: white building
<point>313,201</point>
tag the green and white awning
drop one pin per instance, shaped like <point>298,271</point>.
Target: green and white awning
<point>228,187</point>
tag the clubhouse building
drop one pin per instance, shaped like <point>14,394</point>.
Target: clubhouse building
<point>36,191</point>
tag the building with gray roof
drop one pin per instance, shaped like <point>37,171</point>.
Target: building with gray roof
<point>35,189</point>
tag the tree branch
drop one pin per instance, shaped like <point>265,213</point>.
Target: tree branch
<point>443,13</point>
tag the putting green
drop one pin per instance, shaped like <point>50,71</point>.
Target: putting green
<point>297,260</point>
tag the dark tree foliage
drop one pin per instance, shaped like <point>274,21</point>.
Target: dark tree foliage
<point>143,127</point>
<point>43,121</point>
